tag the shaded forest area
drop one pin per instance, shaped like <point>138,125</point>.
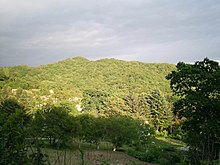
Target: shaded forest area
<point>127,105</point>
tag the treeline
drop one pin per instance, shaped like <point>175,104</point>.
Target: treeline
<point>154,107</point>
<point>23,135</point>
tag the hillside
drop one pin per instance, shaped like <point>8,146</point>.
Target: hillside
<point>106,100</point>
<point>75,75</point>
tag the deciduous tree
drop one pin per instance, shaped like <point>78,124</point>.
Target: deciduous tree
<point>198,86</point>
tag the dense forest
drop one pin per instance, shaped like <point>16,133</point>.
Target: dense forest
<point>128,105</point>
<point>91,85</point>
<point>78,74</point>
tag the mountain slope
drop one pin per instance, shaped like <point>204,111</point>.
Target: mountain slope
<point>75,75</point>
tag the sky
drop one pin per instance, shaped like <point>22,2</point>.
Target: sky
<point>36,32</point>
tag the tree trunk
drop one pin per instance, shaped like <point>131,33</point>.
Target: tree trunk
<point>97,145</point>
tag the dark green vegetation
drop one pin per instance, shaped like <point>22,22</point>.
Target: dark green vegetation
<point>79,105</point>
<point>198,86</point>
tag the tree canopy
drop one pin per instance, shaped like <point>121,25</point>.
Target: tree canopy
<point>198,87</point>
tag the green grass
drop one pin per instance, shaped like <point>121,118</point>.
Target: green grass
<point>168,142</point>
<point>159,150</point>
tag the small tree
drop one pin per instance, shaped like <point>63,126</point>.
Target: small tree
<point>92,129</point>
<point>53,123</point>
<point>122,130</point>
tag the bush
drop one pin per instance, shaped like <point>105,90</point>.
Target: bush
<point>163,156</point>
<point>149,155</point>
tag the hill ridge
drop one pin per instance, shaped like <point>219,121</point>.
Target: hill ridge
<point>78,74</point>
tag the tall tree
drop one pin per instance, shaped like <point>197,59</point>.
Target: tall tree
<point>160,116</point>
<point>198,87</point>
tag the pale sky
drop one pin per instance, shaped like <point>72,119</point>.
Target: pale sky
<point>35,32</point>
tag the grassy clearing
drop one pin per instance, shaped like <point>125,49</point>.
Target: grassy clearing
<point>168,142</point>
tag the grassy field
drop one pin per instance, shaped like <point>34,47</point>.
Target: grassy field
<point>169,142</point>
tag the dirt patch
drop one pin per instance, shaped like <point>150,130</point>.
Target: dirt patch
<point>91,157</point>
<point>111,157</point>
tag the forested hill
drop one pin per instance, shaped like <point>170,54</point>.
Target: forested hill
<point>76,75</point>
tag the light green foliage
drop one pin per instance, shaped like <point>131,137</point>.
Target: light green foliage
<point>95,101</point>
<point>160,114</point>
<point>68,106</point>
<point>115,106</point>
<point>77,75</point>
<point>4,74</point>
<point>106,87</point>
<point>117,93</point>
<point>131,103</point>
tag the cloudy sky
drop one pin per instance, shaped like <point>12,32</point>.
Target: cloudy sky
<point>36,32</point>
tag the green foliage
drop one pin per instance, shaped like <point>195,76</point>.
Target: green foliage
<point>119,130</point>
<point>105,87</point>
<point>86,128</point>
<point>68,106</point>
<point>122,130</point>
<point>15,136</point>
<point>199,90</point>
<point>97,131</point>
<point>94,101</point>
<point>116,97</point>
<point>160,153</point>
<point>82,154</point>
<point>73,77</point>
<point>151,107</point>
<point>4,74</point>
<point>13,126</point>
<point>55,124</point>
<point>160,114</point>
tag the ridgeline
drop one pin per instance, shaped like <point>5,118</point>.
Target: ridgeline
<point>73,76</point>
